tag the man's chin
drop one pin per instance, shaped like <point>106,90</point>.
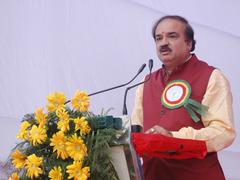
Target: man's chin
<point>167,62</point>
<point>166,59</point>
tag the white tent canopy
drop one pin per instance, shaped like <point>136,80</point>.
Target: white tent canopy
<point>49,46</point>
<point>218,15</point>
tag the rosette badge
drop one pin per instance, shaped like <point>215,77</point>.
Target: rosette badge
<point>177,94</point>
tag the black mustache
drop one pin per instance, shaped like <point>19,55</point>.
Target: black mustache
<point>164,48</point>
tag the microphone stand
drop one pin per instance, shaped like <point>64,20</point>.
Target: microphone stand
<point>130,87</point>
<point>135,159</point>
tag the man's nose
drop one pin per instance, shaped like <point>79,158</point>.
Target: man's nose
<point>164,41</point>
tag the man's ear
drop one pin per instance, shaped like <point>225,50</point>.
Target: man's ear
<point>189,44</point>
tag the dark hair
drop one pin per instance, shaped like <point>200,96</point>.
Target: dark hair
<point>189,33</point>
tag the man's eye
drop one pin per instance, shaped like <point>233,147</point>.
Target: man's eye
<point>158,38</point>
<point>172,36</point>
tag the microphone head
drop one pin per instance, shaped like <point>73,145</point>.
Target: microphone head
<point>150,64</point>
<point>141,68</point>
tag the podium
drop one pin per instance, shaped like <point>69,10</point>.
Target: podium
<point>127,163</point>
<point>124,158</point>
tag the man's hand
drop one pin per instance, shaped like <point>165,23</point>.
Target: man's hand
<point>159,130</point>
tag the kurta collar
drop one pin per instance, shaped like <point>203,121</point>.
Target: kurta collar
<point>191,58</point>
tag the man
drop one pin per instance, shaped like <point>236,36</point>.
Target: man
<point>161,104</point>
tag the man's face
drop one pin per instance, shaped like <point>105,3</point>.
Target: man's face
<point>172,46</point>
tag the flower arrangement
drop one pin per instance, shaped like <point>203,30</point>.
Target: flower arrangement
<point>65,143</point>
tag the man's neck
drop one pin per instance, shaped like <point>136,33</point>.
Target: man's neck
<point>169,71</point>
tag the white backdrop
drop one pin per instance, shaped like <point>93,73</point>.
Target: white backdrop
<point>64,45</point>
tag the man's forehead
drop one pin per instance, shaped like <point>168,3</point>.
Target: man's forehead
<point>170,25</point>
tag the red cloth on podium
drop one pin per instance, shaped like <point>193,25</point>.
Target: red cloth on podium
<point>159,146</point>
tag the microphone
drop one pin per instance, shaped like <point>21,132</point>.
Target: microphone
<point>119,86</point>
<point>150,65</point>
<point>139,71</point>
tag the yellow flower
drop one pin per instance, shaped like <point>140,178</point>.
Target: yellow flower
<point>37,135</point>
<point>80,101</point>
<point>55,101</point>
<point>76,171</point>
<point>76,148</point>
<point>24,132</point>
<point>40,117</point>
<point>58,141</point>
<point>14,176</point>
<point>62,114</point>
<point>82,125</point>
<point>18,159</point>
<point>55,173</point>
<point>63,124</point>
<point>32,165</point>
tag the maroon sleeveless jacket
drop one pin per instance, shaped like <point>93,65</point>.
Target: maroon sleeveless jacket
<point>197,74</point>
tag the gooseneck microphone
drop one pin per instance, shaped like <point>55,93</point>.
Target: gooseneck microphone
<point>150,65</point>
<point>115,87</point>
<point>109,89</point>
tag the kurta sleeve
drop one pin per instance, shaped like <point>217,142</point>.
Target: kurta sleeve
<point>218,131</point>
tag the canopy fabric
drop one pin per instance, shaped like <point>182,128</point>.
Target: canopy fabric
<point>48,46</point>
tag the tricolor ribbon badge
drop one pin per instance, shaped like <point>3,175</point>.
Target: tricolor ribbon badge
<point>177,94</point>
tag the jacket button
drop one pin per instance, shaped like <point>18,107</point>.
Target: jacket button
<point>163,111</point>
